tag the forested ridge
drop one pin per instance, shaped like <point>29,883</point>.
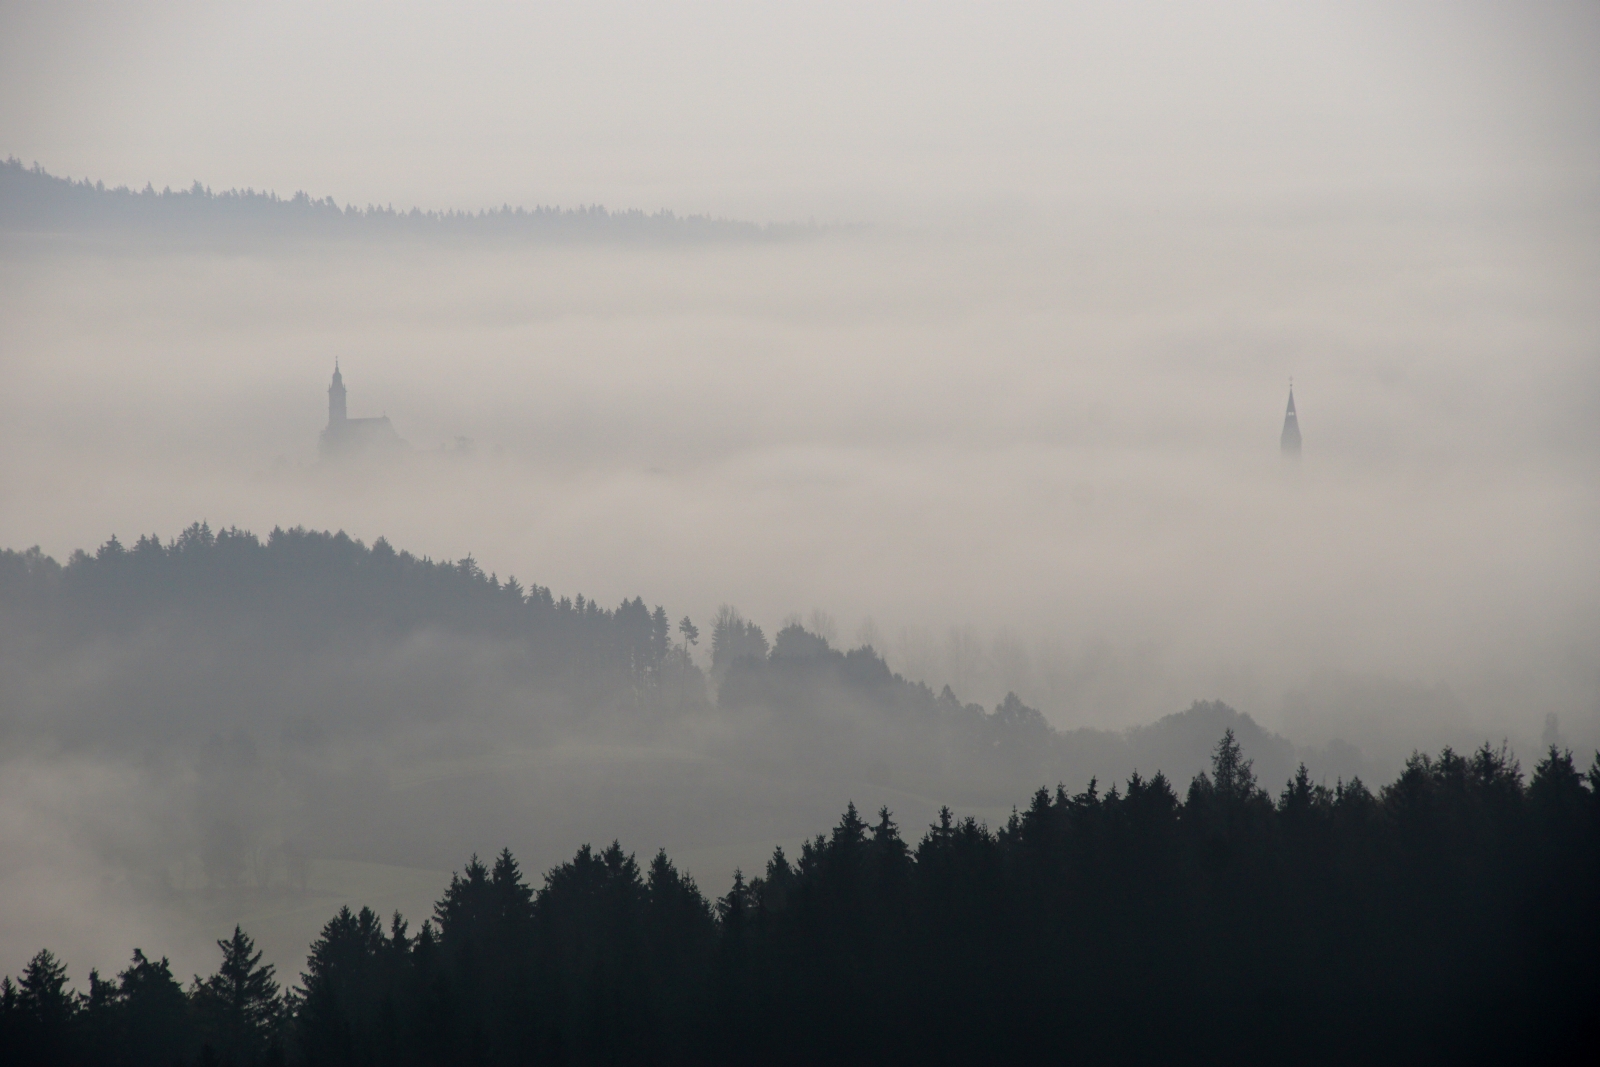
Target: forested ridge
<point>1448,918</point>
<point>35,201</point>
<point>288,605</point>
<point>314,588</point>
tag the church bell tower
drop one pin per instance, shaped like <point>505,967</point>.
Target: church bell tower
<point>336,413</point>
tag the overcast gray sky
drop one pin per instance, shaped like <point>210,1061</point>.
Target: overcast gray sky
<point>870,112</point>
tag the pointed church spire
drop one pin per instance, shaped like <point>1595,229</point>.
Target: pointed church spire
<point>336,397</point>
<point>1289,442</point>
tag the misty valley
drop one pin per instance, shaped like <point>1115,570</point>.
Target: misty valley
<point>390,709</point>
<point>287,709</point>
<point>652,533</point>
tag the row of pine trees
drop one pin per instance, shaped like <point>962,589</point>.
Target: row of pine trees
<point>1452,916</point>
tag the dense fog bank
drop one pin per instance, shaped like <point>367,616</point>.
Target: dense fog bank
<point>1035,459</point>
<point>221,727</point>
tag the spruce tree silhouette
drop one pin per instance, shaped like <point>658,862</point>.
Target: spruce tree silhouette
<point>40,1011</point>
<point>239,1010</point>
<point>343,989</point>
<point>154,1023</point>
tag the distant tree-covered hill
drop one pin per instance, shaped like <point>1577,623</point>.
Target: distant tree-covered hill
<point>35,201</point>
<point>302,614</point>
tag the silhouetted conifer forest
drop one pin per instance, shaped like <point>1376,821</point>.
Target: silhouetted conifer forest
<point>1449,918</point>
<point>35,201</point>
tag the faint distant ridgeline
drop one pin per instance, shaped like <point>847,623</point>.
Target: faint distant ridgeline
<point>34,201</point>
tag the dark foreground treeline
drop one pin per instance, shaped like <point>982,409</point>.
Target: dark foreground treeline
<point>1452,917</point>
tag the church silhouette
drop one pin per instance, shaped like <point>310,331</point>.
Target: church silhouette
<point>345,436</point>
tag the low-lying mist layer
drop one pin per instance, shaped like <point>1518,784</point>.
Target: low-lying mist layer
<point>1037,458</point>
<point>221,728</point>
<point>1033,458</point>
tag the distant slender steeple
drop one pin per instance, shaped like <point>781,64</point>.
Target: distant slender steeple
<point>336,412</point>
<point>1290,441</point>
